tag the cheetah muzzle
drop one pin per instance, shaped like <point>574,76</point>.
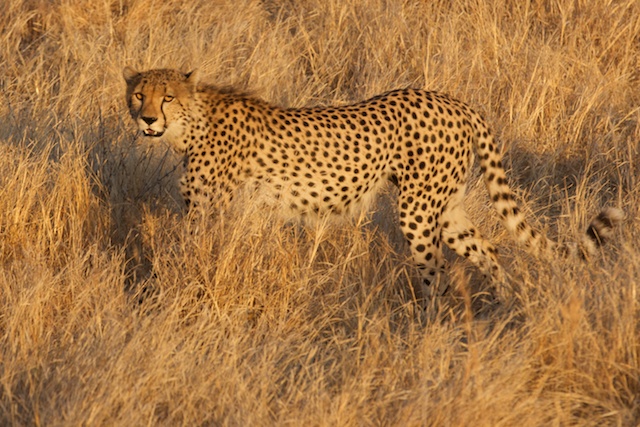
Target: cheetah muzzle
<point>333,160</point>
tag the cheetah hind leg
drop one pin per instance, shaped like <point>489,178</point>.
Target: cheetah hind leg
<point>431,265</point>
<point>459,233</point>
<point>426,248</point>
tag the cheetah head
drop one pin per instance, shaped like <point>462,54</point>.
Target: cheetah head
<point>159,100</point>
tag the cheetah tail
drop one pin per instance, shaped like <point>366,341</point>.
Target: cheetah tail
<point>600,230</point>
<point>503,199</point>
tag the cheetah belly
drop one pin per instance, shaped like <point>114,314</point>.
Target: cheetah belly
<point>316,194</point>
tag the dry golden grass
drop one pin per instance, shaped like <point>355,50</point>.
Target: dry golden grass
<point>249,321</point>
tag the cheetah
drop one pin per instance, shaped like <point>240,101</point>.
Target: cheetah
<point>333,160</point>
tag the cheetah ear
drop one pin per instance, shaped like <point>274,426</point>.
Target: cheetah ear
<point>192,77</point>
<point>129,74</point>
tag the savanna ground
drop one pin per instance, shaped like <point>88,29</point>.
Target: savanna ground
<point>114,312</point>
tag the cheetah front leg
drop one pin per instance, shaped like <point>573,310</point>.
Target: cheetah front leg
<point>205,197</point>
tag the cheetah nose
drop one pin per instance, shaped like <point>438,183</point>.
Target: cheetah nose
<point>149,120</point>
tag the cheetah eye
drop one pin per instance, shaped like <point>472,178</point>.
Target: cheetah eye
<point>138,96</point>
<point>168,98</point>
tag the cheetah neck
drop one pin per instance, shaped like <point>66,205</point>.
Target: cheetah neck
<point>181,132</point>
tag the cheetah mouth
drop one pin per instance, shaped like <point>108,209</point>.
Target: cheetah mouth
<point>153,133</point>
